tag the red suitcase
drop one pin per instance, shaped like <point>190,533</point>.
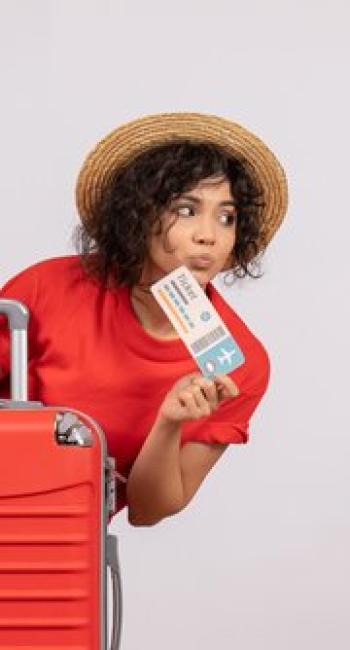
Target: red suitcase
<point>57,488</point>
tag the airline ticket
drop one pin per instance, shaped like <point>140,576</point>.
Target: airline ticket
<point>198,324</point>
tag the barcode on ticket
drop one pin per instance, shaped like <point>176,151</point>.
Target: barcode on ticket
<point>208,340</point>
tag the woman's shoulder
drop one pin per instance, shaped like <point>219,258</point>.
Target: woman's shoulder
<point>58,280</point>
<point>68,265</point>
<point>52,272</point>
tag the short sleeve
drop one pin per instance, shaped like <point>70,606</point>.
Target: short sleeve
<point>22,287</point>
<point>230,423</point>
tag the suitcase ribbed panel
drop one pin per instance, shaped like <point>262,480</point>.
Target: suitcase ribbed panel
<point>50,537</point>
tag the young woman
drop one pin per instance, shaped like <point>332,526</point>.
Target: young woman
<point>162,191</point>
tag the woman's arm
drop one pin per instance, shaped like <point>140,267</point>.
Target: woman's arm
<point>165,477</point>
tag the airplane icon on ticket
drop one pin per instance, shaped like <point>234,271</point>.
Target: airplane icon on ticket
<point>226,355</point>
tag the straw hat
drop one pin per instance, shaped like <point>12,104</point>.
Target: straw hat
<point>123,144</point>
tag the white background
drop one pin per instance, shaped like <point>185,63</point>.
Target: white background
<point>260,559</point>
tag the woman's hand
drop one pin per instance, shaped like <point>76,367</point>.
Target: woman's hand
<point>193,397</point>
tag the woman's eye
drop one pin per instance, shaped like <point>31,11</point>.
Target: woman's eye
<point>227,219</point>
<point>184,211</point>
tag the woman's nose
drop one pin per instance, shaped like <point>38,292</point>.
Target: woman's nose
<point>204,232</point>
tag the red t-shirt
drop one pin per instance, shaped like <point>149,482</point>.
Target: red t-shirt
<point>88,351</point>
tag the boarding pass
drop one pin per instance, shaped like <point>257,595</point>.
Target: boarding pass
<point>197,322</point>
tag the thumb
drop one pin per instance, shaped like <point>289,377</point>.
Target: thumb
<point>226,387</point>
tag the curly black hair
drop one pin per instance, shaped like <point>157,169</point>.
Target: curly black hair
<point>113,242</point>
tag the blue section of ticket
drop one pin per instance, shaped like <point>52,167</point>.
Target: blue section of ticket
<point>221,359</point>
<point>197,322</point>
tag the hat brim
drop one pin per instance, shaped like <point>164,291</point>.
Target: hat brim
<point>122,145</point>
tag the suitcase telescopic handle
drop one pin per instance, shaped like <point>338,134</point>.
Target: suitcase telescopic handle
<point>17,317</point>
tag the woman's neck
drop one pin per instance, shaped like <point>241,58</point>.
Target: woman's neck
<point>149,313</point>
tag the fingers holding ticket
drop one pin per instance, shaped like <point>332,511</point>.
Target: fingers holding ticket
<point>193,397</point>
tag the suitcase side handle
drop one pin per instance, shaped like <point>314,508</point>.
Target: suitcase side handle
<point>113,563</point>
<point>17,317</point>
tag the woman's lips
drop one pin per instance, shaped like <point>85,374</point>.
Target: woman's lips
<point>200,261</point>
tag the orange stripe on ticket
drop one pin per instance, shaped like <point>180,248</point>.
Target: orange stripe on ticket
<point>171,307</point>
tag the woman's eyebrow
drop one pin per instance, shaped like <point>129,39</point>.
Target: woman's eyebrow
<point>230,202</point>
<point>196,199</point>
<point>190,197</point>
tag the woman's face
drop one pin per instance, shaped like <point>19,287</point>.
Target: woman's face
<point>198,230</point>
